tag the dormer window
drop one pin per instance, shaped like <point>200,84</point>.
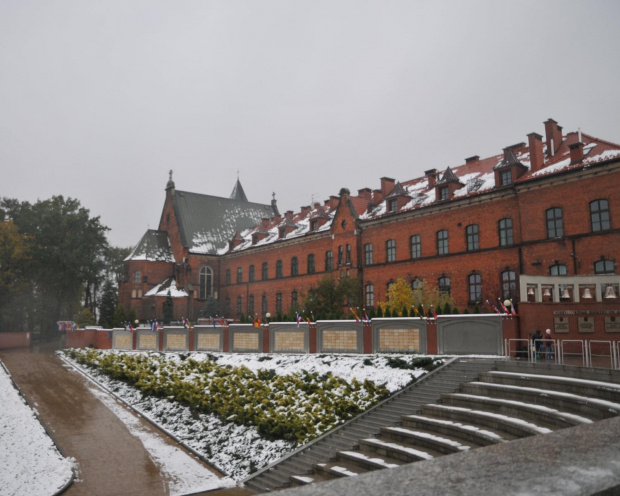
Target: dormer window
<point>254,239</point>
<point>444,193</point>
<point>282,232</point>
<point>506,177</point>
<point>392,205</point>
<point>314,225</point>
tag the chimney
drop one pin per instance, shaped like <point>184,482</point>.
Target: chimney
<point>387,185</point>
<point>264,222</point>
<point>288,214</point>
<point>364,193</point>
<point>277,218</point>
<point>475,158</point>
<point>553,137</point>
<point>536,151</point>
<point>576,152</point>
<point>431,175</point>
<point>333,201</point>
<point>377,197</point>
<point>304,210</point>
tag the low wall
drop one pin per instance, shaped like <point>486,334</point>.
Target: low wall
<point>450,334</point>
<point>14,340</point>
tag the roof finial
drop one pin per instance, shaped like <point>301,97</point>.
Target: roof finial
<point>170,184</point>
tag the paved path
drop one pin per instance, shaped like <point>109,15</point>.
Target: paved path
<point>111,461</point>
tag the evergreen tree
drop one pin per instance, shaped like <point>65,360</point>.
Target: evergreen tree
<point>119,317</point>
<point>379,312</point>
<point>84,318</point>
<point>405,312</point>
<point>447,310</point>
<point>168,309</point>
<point>107,306</point>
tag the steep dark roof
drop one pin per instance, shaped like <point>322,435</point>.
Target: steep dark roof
<point>448,177</point>
<point>398,191</point>
<point>154,246</point>
<point>508,161</point>
<point>207,223</point>
<point>238,193</point>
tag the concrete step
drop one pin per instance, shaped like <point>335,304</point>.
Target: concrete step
<point>368,460</point>
<point>593,408</point>
<point>337,469</point>
<point>541,415</point>
<point>463,432</point>
<point>397,450</point>
<point>304,480</point>
<point>441,444</point>
<point>582,387</point>
<point>503,423</point>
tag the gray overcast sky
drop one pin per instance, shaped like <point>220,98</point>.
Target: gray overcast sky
<point>99,99</point>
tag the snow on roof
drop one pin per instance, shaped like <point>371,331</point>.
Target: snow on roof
<point>168,285</point>
<point>154,247</point>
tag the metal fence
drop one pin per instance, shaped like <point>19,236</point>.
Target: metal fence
<point>585,353</point>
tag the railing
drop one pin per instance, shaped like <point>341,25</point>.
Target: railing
<point>593,353</point>
<point>576,348</point>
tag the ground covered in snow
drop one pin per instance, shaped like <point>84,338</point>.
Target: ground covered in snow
<point>248,386</point>
<point>30,462</point>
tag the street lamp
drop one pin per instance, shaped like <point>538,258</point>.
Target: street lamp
<point>267,317</point>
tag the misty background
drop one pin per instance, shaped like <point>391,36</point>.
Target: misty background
<point>99,100</point>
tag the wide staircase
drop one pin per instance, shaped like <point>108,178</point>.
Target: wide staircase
<point>466,404</point>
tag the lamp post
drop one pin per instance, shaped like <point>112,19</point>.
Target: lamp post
<point>267,317</point>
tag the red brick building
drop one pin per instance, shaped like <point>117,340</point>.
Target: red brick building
<point>536,224</point>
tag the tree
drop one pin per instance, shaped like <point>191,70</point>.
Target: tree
<point>333,297</point>
<point>67,255</point>
<point>168,309</point>
<point>120,317</point>
<point>15,255</point>
<point>399,295</point>
<point>84,318</point>
<point>107,306</point>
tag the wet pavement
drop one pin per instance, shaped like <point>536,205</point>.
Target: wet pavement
<point>110,460</point>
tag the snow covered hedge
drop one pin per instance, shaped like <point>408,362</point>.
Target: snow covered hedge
<point>294,407</point>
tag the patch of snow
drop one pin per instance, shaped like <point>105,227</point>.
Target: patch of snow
<point>432,437</point>
<point>375,461</point>
<point>606,155</point>
<point>466,427</point>
<point>562,164</point>
<point>411,451</point>
<point>163,288</point>
<point>31,463</point>
<point>343,471</point>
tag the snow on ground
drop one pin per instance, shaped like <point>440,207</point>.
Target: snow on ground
<point>239,450</point>
<point>31,464</point>
<point>184,474</point>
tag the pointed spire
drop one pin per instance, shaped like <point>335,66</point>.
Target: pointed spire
<point>238,193</point>
<point>398,190</point>
<point>170,184</point>
<point>448,177</point>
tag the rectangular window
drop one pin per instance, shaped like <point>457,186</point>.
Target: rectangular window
<point>506,177</point>
<point>348,254</point>
<point>392,205</point>
<point>251,305</point>
<point>475,287</point>
<point>416,246</point>
<point>599,215</point>
<point>509,284</point>
<point>227,276</point>
<point>294,266</point>
<point>555,225</point>
<point>370,295</point>
<point>472,237</point>
<point>251,273</point>
<point>278,269</point>
<point>264,304</point>
<point>311,264</point>
<point>444,284</point>
<point>442,242</point>
<point>444,193</point>
<point>368,254</point>
<point>265,271</point>
<point>340,255</point>
<point>604,267</point>
<point>239,305</point>
<point>505,232</point>
<point>390,250</point>
<point>239,274</point>
<point>329,260</point>
<point>279,302</point>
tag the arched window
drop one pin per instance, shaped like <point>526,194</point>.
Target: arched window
<point>370,295</point>
<point>604,267</point>
<point>416,284</point>
<point>504,227</point>
<point>206,283</point>
<point>390,250</point>
<point>251,305</point>
<point>558,270</point>
<point>265,271</point>
<point>329,260</point>
<point>444,284</point>
<point>279,302</point>
<point>294,298</point>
